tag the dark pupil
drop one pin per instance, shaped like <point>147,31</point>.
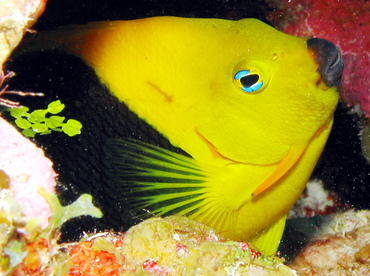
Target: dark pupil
<point>249,80</point>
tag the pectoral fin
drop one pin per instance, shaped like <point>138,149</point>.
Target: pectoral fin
<point>157,180</point>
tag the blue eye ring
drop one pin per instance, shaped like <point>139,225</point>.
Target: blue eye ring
<point>248,81</point>
<point>251,76</point>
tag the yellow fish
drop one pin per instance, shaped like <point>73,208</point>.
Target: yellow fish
<point>251,106</point>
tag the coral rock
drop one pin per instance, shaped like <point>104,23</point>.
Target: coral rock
<point>170,246</point>
<point>28,170</point>
<point>15,17</point>
<point>343,248</point>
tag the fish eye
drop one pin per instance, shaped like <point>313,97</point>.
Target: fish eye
<point>251,77</point>
<point>249,82</point>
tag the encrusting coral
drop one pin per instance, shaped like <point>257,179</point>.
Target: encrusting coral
<point>342,247</point>
<point>173,245</point>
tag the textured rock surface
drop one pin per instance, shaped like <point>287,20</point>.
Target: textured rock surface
<point>15,17</point>
<point>170,246</point>
<point>342,248</point>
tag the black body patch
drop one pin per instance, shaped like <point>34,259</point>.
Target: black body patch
<point>81,161</point>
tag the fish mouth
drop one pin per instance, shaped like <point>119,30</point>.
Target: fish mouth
<point>329,60</point>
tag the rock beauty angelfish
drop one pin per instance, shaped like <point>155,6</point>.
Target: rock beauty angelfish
<point>249,107</point>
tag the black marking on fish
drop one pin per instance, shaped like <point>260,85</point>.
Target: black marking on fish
<point>81,161</point>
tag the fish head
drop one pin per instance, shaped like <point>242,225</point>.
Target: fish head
<point>266,95</point>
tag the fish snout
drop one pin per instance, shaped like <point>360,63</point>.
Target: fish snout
<point>329,59</point>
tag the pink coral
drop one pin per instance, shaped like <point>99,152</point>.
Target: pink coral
<point>28,170</point>
<point>347,24</point>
